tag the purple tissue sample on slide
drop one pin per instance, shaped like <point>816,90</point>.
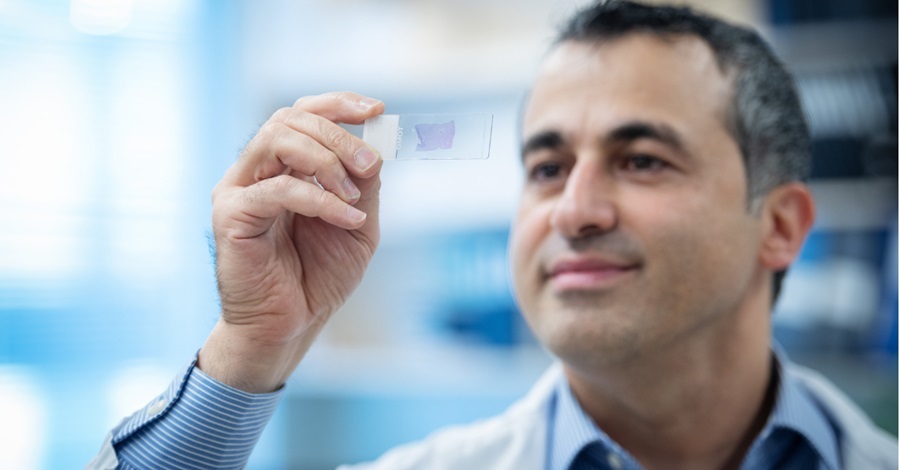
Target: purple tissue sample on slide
<point>435,136</point>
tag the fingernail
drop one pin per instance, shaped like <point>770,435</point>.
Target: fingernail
<point>368,103</point>
<point>365,158</point>
<point>350,189</point>
<point>355,214</point>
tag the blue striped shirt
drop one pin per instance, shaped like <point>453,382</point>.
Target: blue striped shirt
<point>197,423</point>
<point>797,435</point>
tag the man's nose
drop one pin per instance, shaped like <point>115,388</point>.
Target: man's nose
<point>587,204</point>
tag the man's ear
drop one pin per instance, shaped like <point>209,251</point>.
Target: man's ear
<point>788,213</point>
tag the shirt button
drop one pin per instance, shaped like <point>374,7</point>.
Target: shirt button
<point>157,406</point>
<point>615,463</point>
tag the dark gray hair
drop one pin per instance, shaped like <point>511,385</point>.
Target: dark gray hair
<point>765,116</point>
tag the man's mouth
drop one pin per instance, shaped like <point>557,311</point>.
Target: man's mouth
<point>587,273</point>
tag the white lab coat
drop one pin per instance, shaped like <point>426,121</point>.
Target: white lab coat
<point>517,439</point>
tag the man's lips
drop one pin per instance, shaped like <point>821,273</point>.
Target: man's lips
<point>587,273</point>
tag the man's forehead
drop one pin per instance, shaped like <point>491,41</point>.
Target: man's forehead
<point>660,51</point>
<point>644,64</point>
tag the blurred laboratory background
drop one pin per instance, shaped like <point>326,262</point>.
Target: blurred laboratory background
<point>117,117</point>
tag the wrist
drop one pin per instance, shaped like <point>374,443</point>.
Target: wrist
<point>234,356</point>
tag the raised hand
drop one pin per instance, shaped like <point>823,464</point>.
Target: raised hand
<point>295,222</point>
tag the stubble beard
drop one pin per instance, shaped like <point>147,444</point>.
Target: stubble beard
<point>587,330</point>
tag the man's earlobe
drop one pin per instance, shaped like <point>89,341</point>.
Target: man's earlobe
<point>788,214</point>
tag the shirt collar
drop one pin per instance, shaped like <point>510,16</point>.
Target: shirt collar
<point>572,430</point>
<point>794,410</point>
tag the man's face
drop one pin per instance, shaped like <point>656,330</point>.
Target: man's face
<point>633,232</point>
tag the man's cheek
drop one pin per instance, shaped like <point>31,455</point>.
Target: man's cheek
<point>523,261</point>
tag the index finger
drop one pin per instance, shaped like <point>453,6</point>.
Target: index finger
<point>342,107</point>
<point>357,156</point>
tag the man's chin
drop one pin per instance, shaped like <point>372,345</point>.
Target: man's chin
<point>579,331</point>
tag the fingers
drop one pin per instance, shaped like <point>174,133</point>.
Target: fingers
<point>278,149</point>
<point>298,140</point>
<point>302,161</point>
<point>255,207</point>
<point>356,155</point>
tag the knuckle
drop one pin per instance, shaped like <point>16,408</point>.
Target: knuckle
<point>280,184</point>
<point>271,133</point>
<point>277,133</point>
<point>331,162</point>
<point>267,132</point>
<point>335,138</point>
<point>282,115</point>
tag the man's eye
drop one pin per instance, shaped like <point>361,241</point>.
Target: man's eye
<point>644,163</point>
<point>545,171</point>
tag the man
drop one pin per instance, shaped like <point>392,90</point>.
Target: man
<point>664,154</point>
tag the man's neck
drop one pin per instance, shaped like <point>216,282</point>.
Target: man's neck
<point>695,405</point>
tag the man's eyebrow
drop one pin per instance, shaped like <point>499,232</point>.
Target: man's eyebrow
<point>635,130</point>
<point>546,140</point>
